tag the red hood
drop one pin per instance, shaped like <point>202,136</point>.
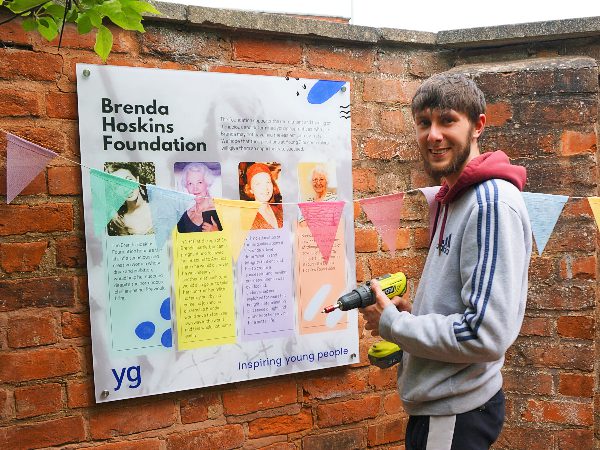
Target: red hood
<point>484,167</point>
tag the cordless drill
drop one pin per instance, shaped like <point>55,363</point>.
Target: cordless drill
<point>383,354</point>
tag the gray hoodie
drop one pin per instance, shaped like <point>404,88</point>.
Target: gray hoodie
<point>470,302</point>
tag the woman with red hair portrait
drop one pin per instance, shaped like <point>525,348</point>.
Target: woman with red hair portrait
<point>261,186</point>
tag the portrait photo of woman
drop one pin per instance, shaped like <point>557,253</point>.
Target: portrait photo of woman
<point>258,182</point>
<point>134,216</point>
<point>199,179</point>
<point>317,182</point>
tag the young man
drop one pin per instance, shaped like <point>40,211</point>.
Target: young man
<point>470,302</point>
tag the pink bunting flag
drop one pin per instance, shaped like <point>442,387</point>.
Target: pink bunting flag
<point>322,219</point>
<point>24,161</point>
<point>385,213</point>
<point>430,193</point>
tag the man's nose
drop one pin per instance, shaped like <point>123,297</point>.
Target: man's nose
<point>435,133</point>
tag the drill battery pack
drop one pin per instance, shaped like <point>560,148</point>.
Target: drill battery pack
<point>385,354</point>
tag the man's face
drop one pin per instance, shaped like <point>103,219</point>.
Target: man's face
<point>447,141</point>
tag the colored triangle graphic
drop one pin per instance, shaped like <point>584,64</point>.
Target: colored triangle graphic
<point>167,207</point>
<point>385,212</point>
<point>237,217</point>
<point>544,210</point>
<point>323,219</point>
<point>109,192</point>
<point>24,161</point>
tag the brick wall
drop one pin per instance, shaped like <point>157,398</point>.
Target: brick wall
<point>543,111</point>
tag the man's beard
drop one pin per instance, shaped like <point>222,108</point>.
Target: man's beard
<point>455,165</point>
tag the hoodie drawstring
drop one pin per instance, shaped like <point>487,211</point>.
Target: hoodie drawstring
<point>435,224</point>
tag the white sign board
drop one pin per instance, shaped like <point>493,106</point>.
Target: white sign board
<point>193,312</point>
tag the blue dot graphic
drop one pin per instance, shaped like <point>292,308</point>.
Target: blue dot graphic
<point>145,330</point>
<point>323,90</point>
<point>167,338</point>
<point>165,309</point>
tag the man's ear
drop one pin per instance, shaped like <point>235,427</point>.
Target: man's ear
<point>479,126</point>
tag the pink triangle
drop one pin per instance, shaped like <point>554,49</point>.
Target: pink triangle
<point>323,219</point>
<point>385,213</point>
<point>24,160</point>
<point>429,193</point>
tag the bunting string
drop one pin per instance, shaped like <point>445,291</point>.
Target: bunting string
<point>25,160</point>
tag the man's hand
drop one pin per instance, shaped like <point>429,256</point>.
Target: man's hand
<point>372,314</point>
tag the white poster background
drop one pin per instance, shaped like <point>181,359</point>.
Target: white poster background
<point>198,102</point>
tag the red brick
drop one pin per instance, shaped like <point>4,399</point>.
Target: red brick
<point>124,420</point>
<point>521,438</point>
<point>580,268</point>
<point>142,444</point>
<point>332,414</point>
<point>412,266</point>
<point>541,269</point>
<point>498,114</point>
<point>32,330</point>
<point>75,325</point>
<point>80,393</point>
<point>418,178</point>
<point>554,296</point>
<point>245,70</point>
<point>394,122</point>
<point>21,219</point>
<point>269,51</point>
<point>360,271</point>
<point>55,139</point>
<point>580,327</point>
<point>37,400</point>
<point>383,379</point>
<point>528,381</point>
<point>14,33</point>
<point>402,240</point>
<point>386,432</point>
<point>19,103</point>
<point>82,290</point>
<point>270,426</point>
<point>392,404</point>
<point>387,149</point>
<point>36,292</point>
<point>423,65</point>
<point>560,111</point>
<point>362,118</point>
<point>61,105</point>
<point>343,59</point>
<point>575,143</point>
<point>357,210</point>
<point>38,364</point>
<point>575,439</point>
<point>16,64</point>
<point>576,385</point>
<point>565,356</point>
<point>22,256</point>
<point>365,240</point>
<point>364,179</point>
<point>201,407</point>
<point>64,180</point>
<point>223,437</point>
<point>171,43</point>
<point>339,440</point>
<point>566,413</point>
<point>331,386</point>
<point>43,434</point>
<point>421,239</point>
<point>389,91</point>
<point>6,405</point>
<point>536,326</point>
<point>70,252</point>
<point>247,399</point>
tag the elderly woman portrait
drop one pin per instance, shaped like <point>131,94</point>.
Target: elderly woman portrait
<point>261,185</point>
<point>197,178</point>
<point>319,181</point>
<point>134,216</point>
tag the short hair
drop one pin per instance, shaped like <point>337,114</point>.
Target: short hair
<point>448,90</point>
<point>198,167</point>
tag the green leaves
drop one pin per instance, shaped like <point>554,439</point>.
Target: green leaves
<point>104,42</point>
<point>46,17</point>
